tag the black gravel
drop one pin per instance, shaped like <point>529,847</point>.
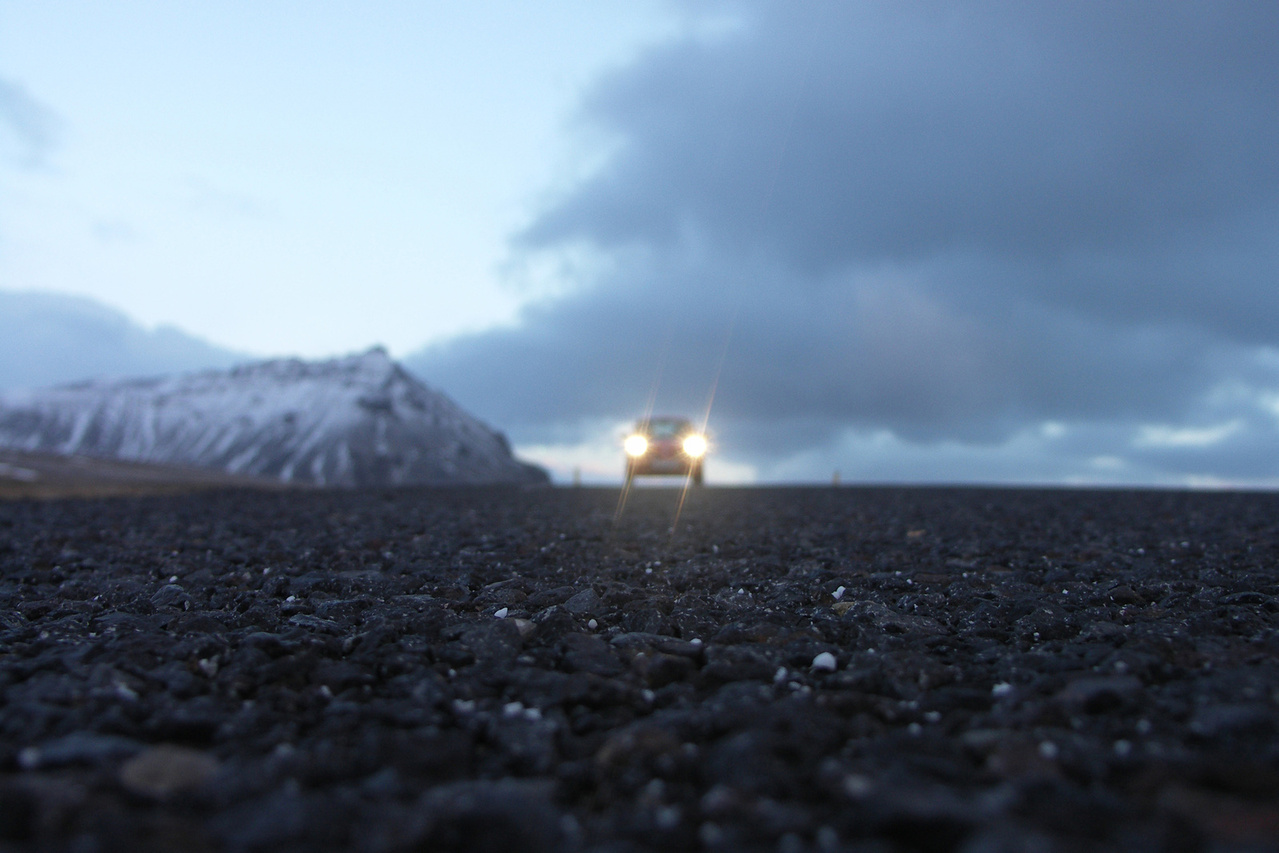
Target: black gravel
<point>1002,670</point>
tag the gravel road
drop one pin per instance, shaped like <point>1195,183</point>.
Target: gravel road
<point>985,671</point>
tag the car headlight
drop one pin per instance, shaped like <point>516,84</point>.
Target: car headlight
<point>695,445</point>
<point>636,445</point>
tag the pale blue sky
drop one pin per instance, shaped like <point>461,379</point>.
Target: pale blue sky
<point>297,177</point>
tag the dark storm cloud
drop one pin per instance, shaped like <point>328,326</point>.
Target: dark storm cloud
<point>946,220</point>
<point>31,126</point>
<point>868,354</point>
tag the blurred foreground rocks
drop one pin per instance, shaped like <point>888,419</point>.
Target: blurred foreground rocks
<point>499,669</point>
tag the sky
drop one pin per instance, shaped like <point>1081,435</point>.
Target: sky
<point>302,177</point>
<point>1021,242</point>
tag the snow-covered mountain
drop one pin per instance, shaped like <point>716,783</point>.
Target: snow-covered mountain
<point>361,420</point>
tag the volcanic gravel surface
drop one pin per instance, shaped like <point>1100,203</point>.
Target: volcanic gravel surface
<point>513,670</point>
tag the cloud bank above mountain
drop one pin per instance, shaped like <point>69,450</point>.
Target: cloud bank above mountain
<point>50,339</point>
<point>992,240</point>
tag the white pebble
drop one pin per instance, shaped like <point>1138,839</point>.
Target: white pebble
<point>825,662</point>
<point>696,641</point>
<point>592,624</point>
<point>780,675</point>
<point>513,709</point>
<point>1003,688</point>
<point>501,613</point>
<point>838,593</point>
<point>648,571</point>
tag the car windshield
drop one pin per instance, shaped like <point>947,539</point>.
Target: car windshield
<point>665,429</point>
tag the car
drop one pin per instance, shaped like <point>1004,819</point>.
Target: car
<point>665,447</point>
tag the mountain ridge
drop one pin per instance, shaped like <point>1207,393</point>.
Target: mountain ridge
<point>357,420</point>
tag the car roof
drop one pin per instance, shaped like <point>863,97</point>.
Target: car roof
<point>664,420</point>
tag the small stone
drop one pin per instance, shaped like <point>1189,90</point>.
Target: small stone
<point>501,613</point>
<point>77,748</point>
<point>592,624</point>
<point>658,669</point>
<point>171,595</point>
<point>825,662</point>
<point>1099,695</point>
<point>582,603</point>
<point>667,817</point>
<point>838,593</point>
<point>1001,690</point>
<point>710,834</point>
<point>1048,750</point>
<point>162,771</point>
<point>856,786</point>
